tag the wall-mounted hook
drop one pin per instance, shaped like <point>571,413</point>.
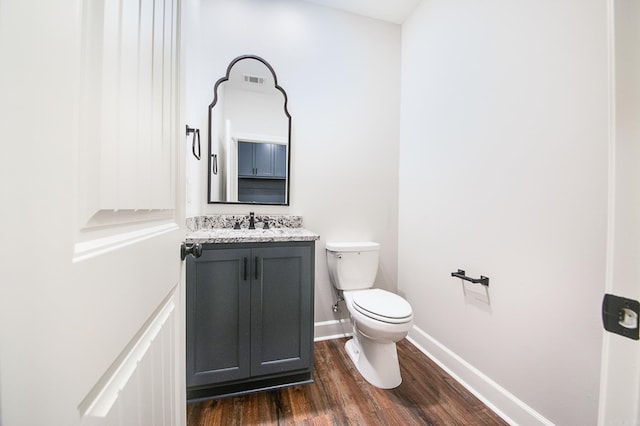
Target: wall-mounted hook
<point>196,132</point>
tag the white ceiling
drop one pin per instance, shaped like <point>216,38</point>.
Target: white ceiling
<point>395,11</point>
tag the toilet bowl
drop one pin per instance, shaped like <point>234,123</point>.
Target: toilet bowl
<point>379,318</point>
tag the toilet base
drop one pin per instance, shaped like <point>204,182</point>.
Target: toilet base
<point>376,362</point>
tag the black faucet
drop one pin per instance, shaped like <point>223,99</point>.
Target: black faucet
<point>252,221</point>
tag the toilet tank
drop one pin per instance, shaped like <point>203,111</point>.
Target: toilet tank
<point>354,265</point>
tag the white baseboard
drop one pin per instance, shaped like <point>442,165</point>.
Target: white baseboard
<point>502,402</point>
<point>334,329</point>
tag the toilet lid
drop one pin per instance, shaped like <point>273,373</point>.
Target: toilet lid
<point>382,305</point>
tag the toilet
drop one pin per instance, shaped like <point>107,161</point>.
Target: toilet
<point>379,318</point>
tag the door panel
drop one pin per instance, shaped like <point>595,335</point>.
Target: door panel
<point>218,304</point>
<point>245,159</point>
<point>91,317</point>
<point>281,302</point>
<point>264,159</point>
<point>280,159</point>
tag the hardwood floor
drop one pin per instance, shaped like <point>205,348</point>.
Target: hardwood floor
<point>340,396</point>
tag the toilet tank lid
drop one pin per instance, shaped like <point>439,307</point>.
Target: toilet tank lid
<point>352,246</point>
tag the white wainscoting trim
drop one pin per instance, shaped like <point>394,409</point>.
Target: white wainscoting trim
<point>501,401</point>
<point>105,393</point>
<point>88,249</point>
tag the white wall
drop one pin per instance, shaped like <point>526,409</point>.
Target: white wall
<point>341,73</point>
<point>503,172</point>
<point>256,112</point>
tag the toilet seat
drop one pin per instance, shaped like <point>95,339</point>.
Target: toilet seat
<point>382,305</point>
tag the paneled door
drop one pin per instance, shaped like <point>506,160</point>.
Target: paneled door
<point>91,175</point>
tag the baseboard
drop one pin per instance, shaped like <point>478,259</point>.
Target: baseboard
<point>334,329</point>
<point>502,402</point>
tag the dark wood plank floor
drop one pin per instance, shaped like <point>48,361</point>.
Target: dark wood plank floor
<point>340,396</point>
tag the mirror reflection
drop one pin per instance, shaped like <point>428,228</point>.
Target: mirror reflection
<point>249,136</point>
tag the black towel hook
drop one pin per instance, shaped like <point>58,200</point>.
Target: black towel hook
<point>196,132</point>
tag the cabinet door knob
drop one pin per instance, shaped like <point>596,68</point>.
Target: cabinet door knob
<point>194,250</point>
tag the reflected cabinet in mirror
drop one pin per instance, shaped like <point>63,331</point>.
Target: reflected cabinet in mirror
<point>249,136</point>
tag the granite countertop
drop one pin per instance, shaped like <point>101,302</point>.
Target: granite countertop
<point>226,235</point>
<point>219,229</point>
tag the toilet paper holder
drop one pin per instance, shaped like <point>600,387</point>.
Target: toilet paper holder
<point>461,274</point>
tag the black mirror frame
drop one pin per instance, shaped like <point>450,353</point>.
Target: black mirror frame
<point>286,111</point>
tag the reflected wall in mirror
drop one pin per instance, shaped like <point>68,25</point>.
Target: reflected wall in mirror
<point>249,136</point>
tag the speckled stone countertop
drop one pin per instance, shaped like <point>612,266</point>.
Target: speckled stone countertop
<point>218,229</point>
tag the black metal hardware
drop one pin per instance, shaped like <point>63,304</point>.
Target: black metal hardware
<point>214,164</point>
<point>620,316</point>
<point>245,268</point>
<point>194,250</point>
<point>257,263</point>
<point>461,274</point>
<point>196,132</point>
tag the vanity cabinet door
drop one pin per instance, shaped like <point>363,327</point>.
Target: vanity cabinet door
<point>282,309</point>
<point>218,316</point>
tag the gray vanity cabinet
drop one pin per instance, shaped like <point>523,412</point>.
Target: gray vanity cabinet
<point>249,318</point>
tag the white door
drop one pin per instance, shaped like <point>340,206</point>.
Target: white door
<point>620,383</point>
<point>91,298</point>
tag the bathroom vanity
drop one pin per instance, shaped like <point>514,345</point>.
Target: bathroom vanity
<point>249,304</point>
<point>250,281</point>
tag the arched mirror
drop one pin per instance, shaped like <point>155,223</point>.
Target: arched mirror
<point>249,136</point>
